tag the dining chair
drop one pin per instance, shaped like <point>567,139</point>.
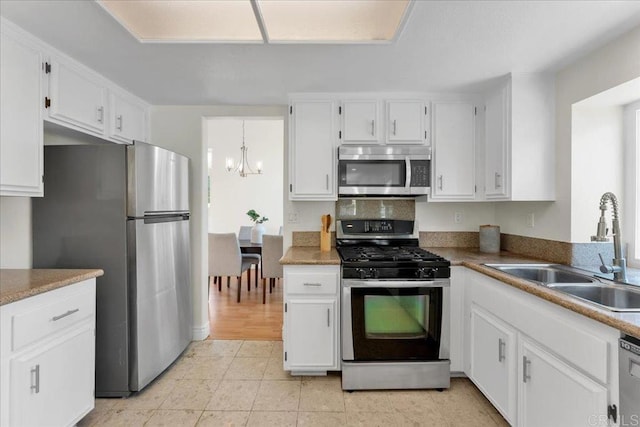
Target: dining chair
<point>225,259</point>
<point>245,234</point>
<point>271,267</point>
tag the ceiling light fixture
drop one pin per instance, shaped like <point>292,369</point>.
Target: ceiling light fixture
<point>261,21</point>
<point>242,167</point>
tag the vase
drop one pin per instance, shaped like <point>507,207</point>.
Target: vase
<point>256,233</point>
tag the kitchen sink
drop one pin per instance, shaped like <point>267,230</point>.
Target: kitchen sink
<point>612,297</point>
<point>544,273</point>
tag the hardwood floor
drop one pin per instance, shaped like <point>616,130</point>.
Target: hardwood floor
<point>248,320</point>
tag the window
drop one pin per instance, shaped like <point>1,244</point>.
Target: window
<point>632,178</point>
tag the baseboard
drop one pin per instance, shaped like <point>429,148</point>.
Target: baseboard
<point>200,332</point>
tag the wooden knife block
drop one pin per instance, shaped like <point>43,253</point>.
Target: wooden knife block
<point>325,241</point>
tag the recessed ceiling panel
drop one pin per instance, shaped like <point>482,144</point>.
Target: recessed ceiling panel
<point>332,20</point>
<point>187,20</point>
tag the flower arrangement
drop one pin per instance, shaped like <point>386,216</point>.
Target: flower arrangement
<point>255,217</point>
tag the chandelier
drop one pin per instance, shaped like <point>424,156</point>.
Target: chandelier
<point>242,167</point>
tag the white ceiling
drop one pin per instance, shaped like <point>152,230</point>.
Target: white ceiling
<point>446,46</point>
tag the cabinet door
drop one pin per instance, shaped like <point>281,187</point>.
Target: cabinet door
<point>312,151</point>
<point>310,334</point>
<point>128,121</point>
<point>20,117</point>
<point>453,151</point>
<point>406,122</point>
<point>359,121</point>
<point>77,98</point>
<point>497,145</point>
<point>493,361</point>
<point>54,385</point>
<point>581,401</point>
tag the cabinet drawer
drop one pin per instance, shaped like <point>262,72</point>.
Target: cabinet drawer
<point>54,316</point>
<point>317,283</point>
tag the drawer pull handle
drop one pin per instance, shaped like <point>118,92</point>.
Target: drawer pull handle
<point>35,387</point>
<point>61,316</point>
<point>328,318</point>
<point>526,369</point>
<point>501,348</point>
<point>312,284</point>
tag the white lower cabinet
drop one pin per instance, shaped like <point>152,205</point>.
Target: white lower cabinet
<point>47,349</point>
<point>539,364</point>
<point>552,393</point>
<point>493,361</point>
<point>311,323</point>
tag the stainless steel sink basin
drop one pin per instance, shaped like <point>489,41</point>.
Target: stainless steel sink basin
<point>544,273</point>
<point>612,297</point>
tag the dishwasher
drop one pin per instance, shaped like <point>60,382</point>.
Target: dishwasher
<point>629,358</point>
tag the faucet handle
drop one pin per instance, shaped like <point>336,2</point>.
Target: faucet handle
<point>604,267</point>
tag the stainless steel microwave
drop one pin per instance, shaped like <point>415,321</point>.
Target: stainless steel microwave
<point>384,170</point>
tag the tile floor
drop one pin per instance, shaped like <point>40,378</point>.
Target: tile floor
<point>241,383</point>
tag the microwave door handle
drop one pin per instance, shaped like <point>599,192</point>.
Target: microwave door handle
<point>407,184</point>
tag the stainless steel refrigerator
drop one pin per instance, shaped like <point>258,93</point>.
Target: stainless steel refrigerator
<point>124,209</point>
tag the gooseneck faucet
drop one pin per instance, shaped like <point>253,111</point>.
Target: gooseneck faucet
<point>619,267</point>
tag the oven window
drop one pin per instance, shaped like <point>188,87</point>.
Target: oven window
<point>395,316</point>
<point>371,173</point>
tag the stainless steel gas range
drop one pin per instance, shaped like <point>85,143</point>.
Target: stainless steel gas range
<point>395,307</point>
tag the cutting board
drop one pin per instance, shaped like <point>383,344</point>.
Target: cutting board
<point>325,235</point>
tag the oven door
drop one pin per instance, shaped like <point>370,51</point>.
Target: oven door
<point>384,320</point>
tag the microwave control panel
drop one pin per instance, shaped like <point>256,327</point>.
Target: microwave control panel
<point>420,173</point>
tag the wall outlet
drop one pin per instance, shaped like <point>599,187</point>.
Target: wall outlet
<point>531,220</point>
<point>457,217</point>
<point>293,217</point>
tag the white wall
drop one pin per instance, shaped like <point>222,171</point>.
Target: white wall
<point>182,129</point>
<point>15,232</point>
<point>231,195</point>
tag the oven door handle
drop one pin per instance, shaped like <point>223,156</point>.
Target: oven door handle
<point>407,184</point>
<point>439,283</point>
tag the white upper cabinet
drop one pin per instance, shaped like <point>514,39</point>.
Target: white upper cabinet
<point>312,150</point>
<point>406,122</point>
<point>128,118</point>
<point>453,153</point>
<point>360,121</point>
<point>21,156</point>
<point>520,149</point>
<point>76,97</point>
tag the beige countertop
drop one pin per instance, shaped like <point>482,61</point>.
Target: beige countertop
<point>628,323</point>
<point>19,284</point>
<point>310,255</point>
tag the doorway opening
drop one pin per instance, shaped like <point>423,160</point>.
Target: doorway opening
<point>230,196</point>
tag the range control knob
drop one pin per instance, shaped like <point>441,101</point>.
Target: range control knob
<point>367,273</point>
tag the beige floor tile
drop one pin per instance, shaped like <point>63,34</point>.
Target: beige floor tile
<point>321,419</point>
<point>411,400</point>
<point>424,418</point>
<point>246,368</point>
<point>272,419</point>
<point>376,419</point>
<point>190,394</point>
<point>96,417</point>
<point>234,395</point>
<point>277,349</point>
<point>213,348</point>
<point>151,397</point>
<point>321,396</point>
<point>255,349</point>
<point>367,401</point>
<point>223,419</point>
<point>275,371</point>
<point>126,418</point>
<point>173,418</point>
<point>179,368</point>
<point>499,419</point>
<point>104,404</point>
<point>208,368</point>
<point>277,396</point>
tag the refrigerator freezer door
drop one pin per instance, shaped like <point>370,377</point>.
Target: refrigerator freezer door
<point>160,295</point>
<point>158,180</point>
